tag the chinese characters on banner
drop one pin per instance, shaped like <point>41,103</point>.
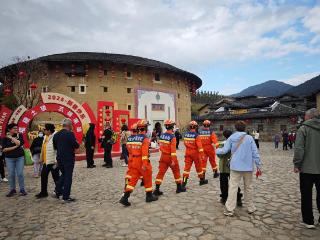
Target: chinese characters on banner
<point>26,118</point>
<point>67,102</point>
<point>16,115</point>
<point>4,119</point>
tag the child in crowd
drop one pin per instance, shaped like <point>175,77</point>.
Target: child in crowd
<point>224,167</point>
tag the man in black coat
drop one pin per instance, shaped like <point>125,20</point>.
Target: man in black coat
<point>66,144</point>
<point>90,143</point>
<point>178,137</point>
<point>106,144</point>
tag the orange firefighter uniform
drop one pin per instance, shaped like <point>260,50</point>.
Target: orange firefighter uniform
<point>129,148</point>
<point>208,139</point>
<point>168,159</point>
<point>138,147</point>
<point>194,154</point>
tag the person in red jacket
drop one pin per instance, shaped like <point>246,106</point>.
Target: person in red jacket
<point>168,158</point>
<point>140,164</point>
<point>194,154</point>
<point>208,139</point>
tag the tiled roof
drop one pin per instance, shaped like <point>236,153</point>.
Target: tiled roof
<point>280,110</point>
<point>119,59</point>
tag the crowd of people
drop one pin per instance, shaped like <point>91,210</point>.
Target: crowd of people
<point>238,155</point>
<point>54,152</point>
<point>288,139</point>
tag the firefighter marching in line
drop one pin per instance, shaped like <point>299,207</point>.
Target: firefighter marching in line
<point>194,154</point>
<point>128,176</point>
<point>168,158</point>
<point>140,164</point>
<point>208,138</point>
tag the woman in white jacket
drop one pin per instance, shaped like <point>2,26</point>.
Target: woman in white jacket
<point>48,158</point>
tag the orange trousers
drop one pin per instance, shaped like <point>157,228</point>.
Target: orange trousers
<point>136,175</point>
<point>164,163</point>
<point>210,153</point>
<point>192,157</point>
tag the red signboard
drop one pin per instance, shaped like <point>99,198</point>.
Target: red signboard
<point>26,118</point>
<point>5,114</point>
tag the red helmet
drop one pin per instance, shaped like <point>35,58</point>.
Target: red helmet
<point>193,124</point>
<point>169,122</point>
<point>206,123</point>
<point>142,123</point>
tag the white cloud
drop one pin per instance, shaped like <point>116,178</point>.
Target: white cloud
<point>312,20</point>
<point>301,78</point>
<point>290,34</point>
<point>184,33</point>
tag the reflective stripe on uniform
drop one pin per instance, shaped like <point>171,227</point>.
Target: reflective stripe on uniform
<point>189,139</point>
<point>179,179</point>
<point>164,141</point>
<point>173,154</point>
<point>186,172</point>
<point>200,150</point>
<point>145,158</point>
<point>204,135</point>
<point>149,189</point>
<point>134,143</point>
<point>130,187</point>
<point>158,180</point>
<point>199,173</point>
<point>128,176</point>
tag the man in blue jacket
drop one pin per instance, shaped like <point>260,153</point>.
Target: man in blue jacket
<point>244,154</point>
<point>66,144</point>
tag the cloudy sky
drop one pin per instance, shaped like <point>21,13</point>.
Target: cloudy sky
<point>230,44</point>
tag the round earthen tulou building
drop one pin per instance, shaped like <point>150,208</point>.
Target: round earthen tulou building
<point>146,88</point>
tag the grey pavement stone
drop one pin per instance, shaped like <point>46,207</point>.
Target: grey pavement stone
<point>196,214</point>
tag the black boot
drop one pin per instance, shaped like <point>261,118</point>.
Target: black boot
<point>216,174</point>
<point>125,199</point>
<point>203,181</point>
<point>142,183</point>
<point>180,188</point>
<point>185,181</point>
<point>157,192</point>
<point>42,195</point>
<point>150,197</point>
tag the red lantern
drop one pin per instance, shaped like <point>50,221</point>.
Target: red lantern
<point>21,74</point>
<point>108,119</point>
<point>86,70</point>
<point>112,72</point>
<point>73,70</point>
<point>100,71</point>
<point>123,120</point>
<point>33,86</point>
<point>108,111</point>
<point>7,91</point>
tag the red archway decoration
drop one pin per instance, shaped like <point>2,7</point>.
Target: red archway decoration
<point>26,118</point>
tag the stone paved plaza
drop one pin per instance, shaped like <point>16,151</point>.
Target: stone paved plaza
<point>196,214</point>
